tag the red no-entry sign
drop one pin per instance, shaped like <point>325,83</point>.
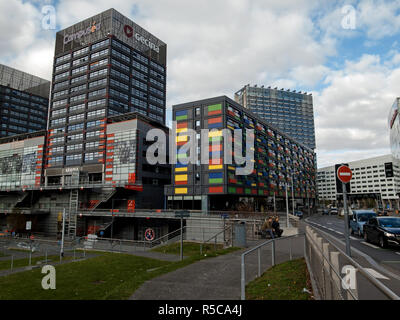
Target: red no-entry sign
<point>344,174</point>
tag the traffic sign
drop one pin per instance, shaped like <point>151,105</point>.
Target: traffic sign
<point>149,234</point>
<point>28,225</point>
<point>344,174</point>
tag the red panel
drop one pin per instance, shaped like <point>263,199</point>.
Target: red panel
<point>182,125</point>
<point>216,189</point>
<point>215,120</point>
<point>215,148</point>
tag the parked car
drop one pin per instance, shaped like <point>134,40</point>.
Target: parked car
<point>382,230</point>
<point>325,212</point>
<point>358,219</point>
<point>333,211</point>
<point>298,214</point>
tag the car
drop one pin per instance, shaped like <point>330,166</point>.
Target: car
<point>358,219</point>
<point>298,214</point>
<point>333,211</point>
<point>382,230</point>
<point>325,212</point>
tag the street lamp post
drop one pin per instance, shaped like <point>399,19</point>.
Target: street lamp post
<point>287,205</point>
<point>292,194</point>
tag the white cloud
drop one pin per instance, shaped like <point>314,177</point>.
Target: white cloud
<point>352,110</point>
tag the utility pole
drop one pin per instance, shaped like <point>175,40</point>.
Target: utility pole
<point>292,194</point>
<point>346,220</point>
<point>62,234</point>
<point>287,206</point>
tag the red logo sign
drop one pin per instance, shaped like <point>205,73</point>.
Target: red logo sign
<point>344,174</point>
<point>128,31</point>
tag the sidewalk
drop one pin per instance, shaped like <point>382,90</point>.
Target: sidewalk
<point>215,278</point>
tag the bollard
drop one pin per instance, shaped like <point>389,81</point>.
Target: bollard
<point>30,258</point>
<point>259,262</point>
<point>290,250</point>
<point>12,262</point>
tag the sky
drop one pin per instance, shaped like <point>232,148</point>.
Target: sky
<point>346,53</point>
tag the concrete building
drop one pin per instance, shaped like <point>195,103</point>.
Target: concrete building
<point>126,182</point>
<point>24,102</point>
<point>290,111</point>
<point>108,90</point>
<point>213,186</point>
<point>375,181</point>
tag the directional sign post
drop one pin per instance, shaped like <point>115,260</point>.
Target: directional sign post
<point>344,174</point>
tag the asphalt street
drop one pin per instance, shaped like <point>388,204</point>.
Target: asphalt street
<point>384,264</point>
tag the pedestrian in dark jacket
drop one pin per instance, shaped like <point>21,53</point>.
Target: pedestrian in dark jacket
<point>276,227</point>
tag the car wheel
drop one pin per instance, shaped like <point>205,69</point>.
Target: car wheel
<point>366,237</point>
<point>382,242</point>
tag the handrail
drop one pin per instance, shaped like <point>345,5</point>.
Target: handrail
<point>258,247</point>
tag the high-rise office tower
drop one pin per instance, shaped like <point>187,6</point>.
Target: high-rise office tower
<point>24,102</point>
<point>290,111</point>
<point>104,66</point>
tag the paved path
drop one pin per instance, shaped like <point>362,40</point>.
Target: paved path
<point>212,279</point>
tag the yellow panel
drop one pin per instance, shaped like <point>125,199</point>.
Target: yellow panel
<point>180,169</point>
<point>181,190</point>
<point>215,134</point>
<point>182,177</point>
<point>181,138</point>
<point>181,130</point>
<point>215,167</point>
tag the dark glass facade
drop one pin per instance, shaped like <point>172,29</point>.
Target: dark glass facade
<point>104,66</point>
<point>24,100</point>
<point>290,111</point>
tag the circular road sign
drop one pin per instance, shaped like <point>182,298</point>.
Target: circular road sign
<point>149,234</point>
<point>344,174</point>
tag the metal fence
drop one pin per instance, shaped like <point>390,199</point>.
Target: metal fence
<point>334,275</point>
<point>23,252</point>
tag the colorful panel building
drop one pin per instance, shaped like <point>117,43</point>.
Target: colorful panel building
<point>215,185</point>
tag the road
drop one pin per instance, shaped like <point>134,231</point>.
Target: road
<point>383,263</point>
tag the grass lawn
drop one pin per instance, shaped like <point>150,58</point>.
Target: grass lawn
<point>282,282</point>
<point>105,277</point>
<point>191,249</point>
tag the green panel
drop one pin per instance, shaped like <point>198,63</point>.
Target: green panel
<point>215,139</point>
<point>215,107</point>
<point>217,180</point>
<point>260,192</point>
<point>181,117</point>
<point>232,190</point>
<point>247,191</point>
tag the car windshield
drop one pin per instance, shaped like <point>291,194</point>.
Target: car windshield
<point>390,223</point>
<point>365,216</point>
